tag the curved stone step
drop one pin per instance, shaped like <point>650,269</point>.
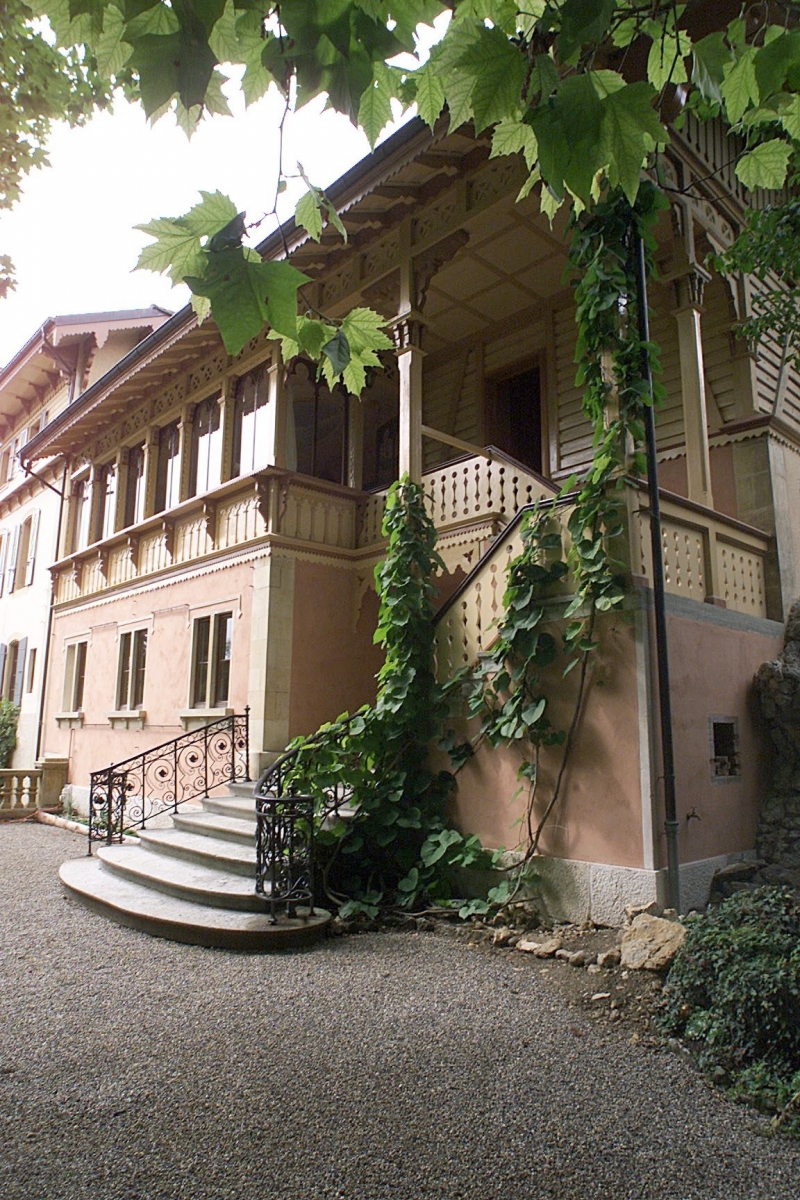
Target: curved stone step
<point>183,879</point>
<point>208,851</point>
<point>243,807</point>
<point>216,825</point>
<point>180,920</point>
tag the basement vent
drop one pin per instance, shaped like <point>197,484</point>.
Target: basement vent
<point>724,744</point>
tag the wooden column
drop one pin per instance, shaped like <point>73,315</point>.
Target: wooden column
<point>407,332</point>
<point>355,442</point>
<point>227,406</point>
<point>689,286</point>
<point>277,400</point>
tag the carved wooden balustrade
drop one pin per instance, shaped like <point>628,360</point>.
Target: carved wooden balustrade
<point>248,509</point>
<point>481,489</point>
<point>707,557</point>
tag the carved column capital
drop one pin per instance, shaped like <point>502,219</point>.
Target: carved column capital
<point>406,332</point>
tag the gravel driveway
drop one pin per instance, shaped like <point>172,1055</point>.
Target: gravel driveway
<point>394,1065</point>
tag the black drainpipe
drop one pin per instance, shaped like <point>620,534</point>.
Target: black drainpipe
<point>662,656</point>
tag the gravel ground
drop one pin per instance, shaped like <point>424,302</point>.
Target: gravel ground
<point>386,1065</point>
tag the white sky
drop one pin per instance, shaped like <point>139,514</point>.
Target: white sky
<point>71,237</point>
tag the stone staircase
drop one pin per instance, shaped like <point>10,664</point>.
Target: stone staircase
<point>192,882</point>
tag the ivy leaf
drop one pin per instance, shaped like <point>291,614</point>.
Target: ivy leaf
<point>739,88</point>
<point>790,118</point>
<point>765,166</point>
<point>775,60</point>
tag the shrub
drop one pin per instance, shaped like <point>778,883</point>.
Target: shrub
<point>733,994</point>
<point>8,731</point>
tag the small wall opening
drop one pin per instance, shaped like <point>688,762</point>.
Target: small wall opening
<point>724,745</point>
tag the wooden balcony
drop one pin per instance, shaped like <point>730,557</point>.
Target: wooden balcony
<point>471,498</point>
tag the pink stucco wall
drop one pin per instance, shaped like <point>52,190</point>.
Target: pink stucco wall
<point>334,660</point>
<point>167,612</point>
<point>599,816</point>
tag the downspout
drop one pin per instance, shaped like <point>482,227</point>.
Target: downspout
<point>659,602</point>
<point>46,662</point>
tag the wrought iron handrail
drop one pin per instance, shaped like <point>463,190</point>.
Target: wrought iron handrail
<point>128,793</point>
<point>285,822</point>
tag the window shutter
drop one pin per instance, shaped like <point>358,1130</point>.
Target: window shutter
<point>30,564</point>
<point>20,675</point>
<point>12,565</point>
<point>3,650</point>
<point>3,556</point>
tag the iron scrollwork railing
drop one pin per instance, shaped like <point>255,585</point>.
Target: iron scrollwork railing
<point>285,834</point>
<point>127,794</point>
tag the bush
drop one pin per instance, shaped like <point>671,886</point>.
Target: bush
<point>8,731</point>
<point>733,994</point>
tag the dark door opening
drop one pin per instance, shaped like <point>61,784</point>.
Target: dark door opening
<point>516,424</point>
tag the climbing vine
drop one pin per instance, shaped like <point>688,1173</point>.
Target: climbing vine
<point>511,692</point>
<point>394,845</point>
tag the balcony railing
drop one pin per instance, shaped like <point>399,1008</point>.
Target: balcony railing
<point>707,557</point>
<point>19,791</point>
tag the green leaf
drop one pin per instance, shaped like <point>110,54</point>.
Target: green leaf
<point>739,88</point>
<point>111,49</point>
<point>214,212</point>
<point>375,110</point>
<point>498,70</point>
<point>176,251</point>
<point>223,39</point>
<point>765,166</point>
<point>515,137</point>
<point>430,93</point>
<point>337,351</point>
<point>665,62</point>
<point>307,213</point>
<point>583,21</point>
<point>630,127</point>
<point>790,118</point>
<point>709,57</point>
<point>158,20</point>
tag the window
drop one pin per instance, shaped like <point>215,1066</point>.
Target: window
<point>724,739</point>
<point>22,560</point>
<point>211,660</point>
<point>135,492</point>
<point>81,510</point>
<point>106,500</point>
<point>12,670</point>
<point>250,423</point>
<point>206,460</point>
<point>168,474</point>
<point>13,461</point>
<point>130,673</point>
<point>31,670</point>
<point>515,417</point>
<point>74,676</point>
